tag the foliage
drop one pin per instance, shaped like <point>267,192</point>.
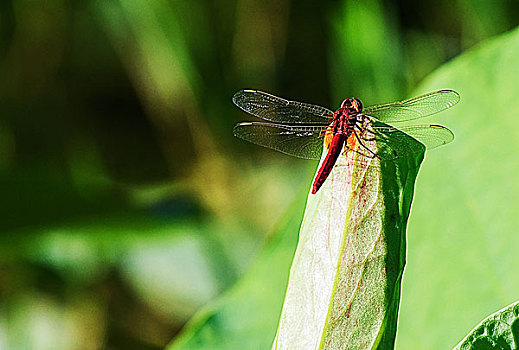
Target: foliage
<point>127,205</point>
<point>497,331</point>
<point>461,236</point>
<point>348,265</point>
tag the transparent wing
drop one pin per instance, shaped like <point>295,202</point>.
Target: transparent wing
<point>392,143</point>
<point>279,110</point>
<point>414,108</point>
<point>299,141</point>
<point>431,136</point>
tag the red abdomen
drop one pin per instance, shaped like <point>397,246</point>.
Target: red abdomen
<point>335,150</point>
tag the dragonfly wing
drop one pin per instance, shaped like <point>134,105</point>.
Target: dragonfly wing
<point>414,108</point>
<point>279,110</point>
<point>394,143</point>
<point>299,141</point>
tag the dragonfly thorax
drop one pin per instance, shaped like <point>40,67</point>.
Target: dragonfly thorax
<point>345,120</point>
<point>348,115</point>
<point>352,104</point>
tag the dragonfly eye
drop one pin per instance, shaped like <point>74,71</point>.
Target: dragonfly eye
<point>346,103</point>
<point>352,103</point>
<point>356,104</point>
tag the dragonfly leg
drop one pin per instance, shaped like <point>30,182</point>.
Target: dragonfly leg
<point>362,154</point>
<point>363,145</point>
<point>360,129</point>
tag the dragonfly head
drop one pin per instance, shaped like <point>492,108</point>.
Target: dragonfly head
<point>352,104</point>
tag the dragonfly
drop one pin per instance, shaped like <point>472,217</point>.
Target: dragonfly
<point>303,129</point>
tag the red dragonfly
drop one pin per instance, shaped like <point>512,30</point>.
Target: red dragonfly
<point>300,129</point>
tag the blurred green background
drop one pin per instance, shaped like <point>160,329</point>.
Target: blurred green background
<point>127,204</point>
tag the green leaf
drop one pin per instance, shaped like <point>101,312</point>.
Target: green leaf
<point>344,286</point>
<point>497,331</point>
<point>462,234</point>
